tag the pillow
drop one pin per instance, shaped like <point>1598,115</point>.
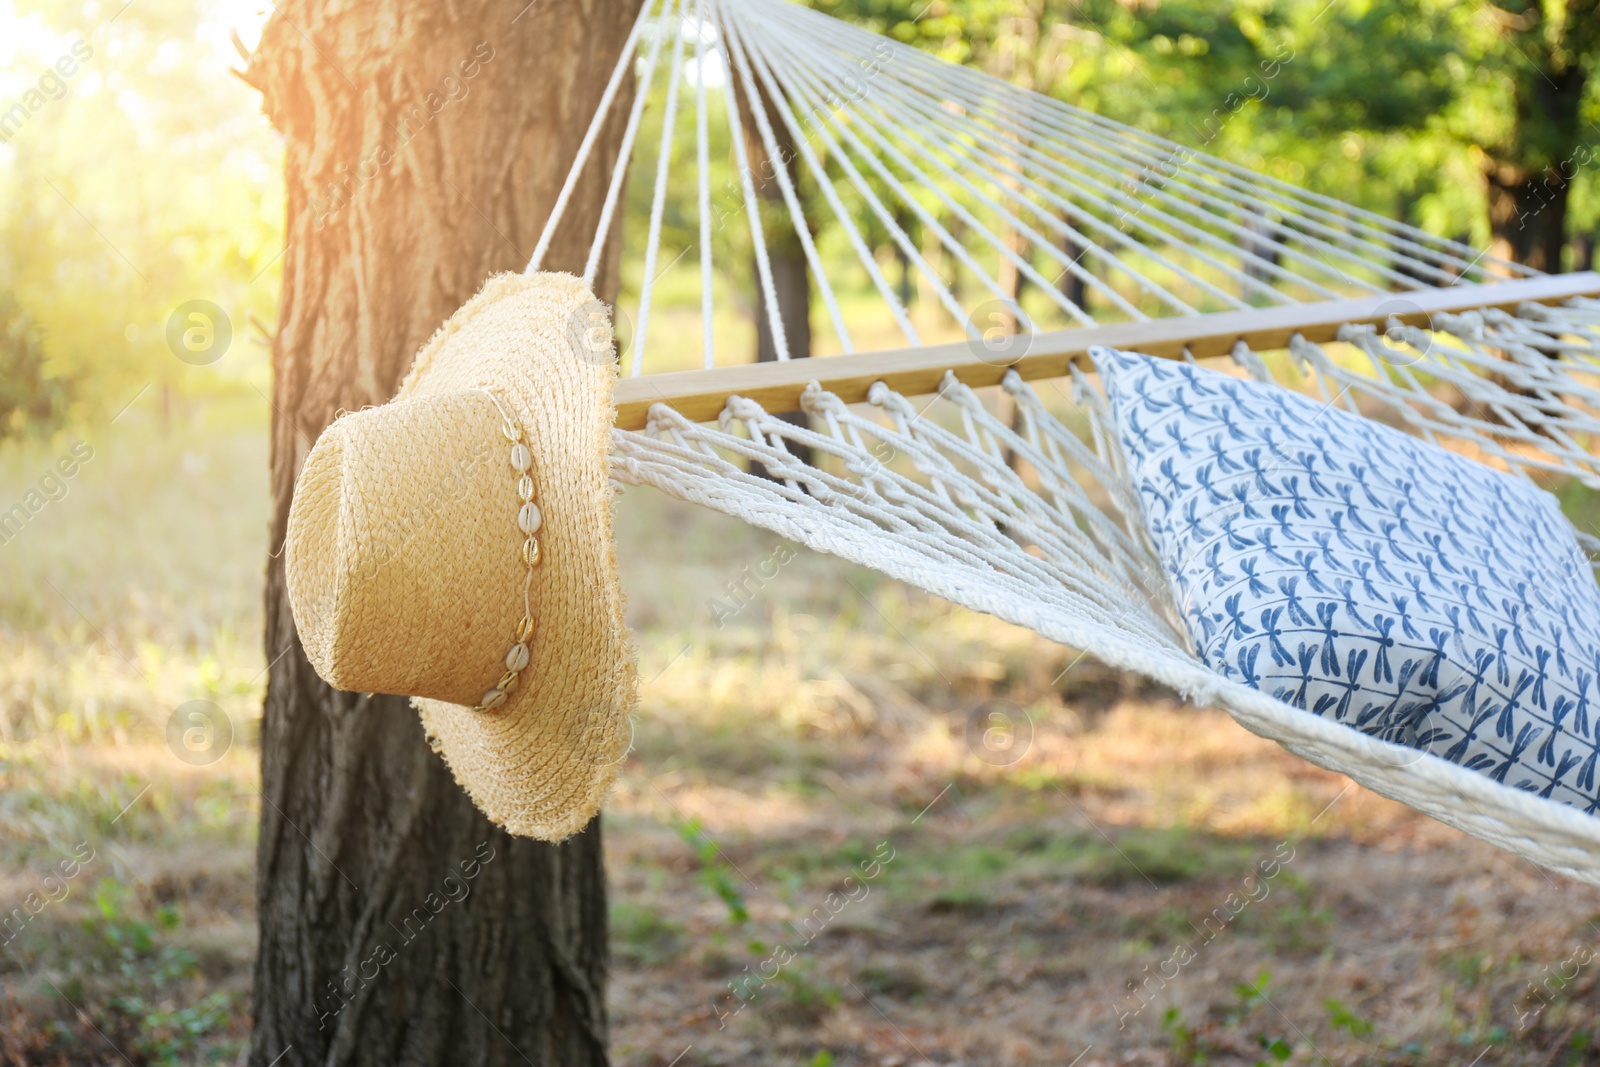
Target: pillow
<point>1367,576</point>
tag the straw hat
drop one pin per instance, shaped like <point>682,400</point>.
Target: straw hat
<point>455,546</point>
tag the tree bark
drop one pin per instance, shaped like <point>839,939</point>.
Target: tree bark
<point>1527,216</point>
<point>424,147</point>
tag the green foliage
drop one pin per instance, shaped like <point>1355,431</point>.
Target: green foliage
<point>1345,1019</point>
<point>641,934</point>
<point>1183,1044</point>
<point>131,948</point>
<point>129,943</point>
<point>1292,920</point>
<point>150,180</point>
<point>32,399</point>
<point>716,873</point>
<point>154,180</point>
<point>1398,105</point>
<point>1252,993</point>
<point>1277,1049</point>
<point>167,1034</point>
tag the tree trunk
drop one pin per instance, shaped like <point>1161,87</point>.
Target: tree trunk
<point>1529,180</point>
<point>1527,216</point>
<point>1582,252</point>
<point>1071,284</point>
<point>424,147</point>
<point>1266,244</point>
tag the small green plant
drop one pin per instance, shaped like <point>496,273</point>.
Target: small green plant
<point>1277,1049</point>
<point>716,873</point>
<point>643,935</point>
<point>1184,1045</point>
<point>130,942</point>
<point>1468,969</point>
<point>1248,995</point>
<point>801,999</point>
<point>1344,1019</point>
<point>1252,993</point>
<point>1298,924</point>
<point>167,1035</point>
<point>1166,856</point>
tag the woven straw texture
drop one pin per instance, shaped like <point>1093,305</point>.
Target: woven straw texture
<point>405,565</point>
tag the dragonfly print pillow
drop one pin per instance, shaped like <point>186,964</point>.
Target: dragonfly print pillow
<point>1367,576</point>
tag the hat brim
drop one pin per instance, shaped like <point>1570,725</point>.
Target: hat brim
<point>541,764</point>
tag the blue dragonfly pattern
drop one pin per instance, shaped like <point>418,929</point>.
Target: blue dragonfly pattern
<point>1359,573</point>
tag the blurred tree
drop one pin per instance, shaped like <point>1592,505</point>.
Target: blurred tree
<point>1475,119</point>
<point>1418,91</point>
<point>146,179</point>
<point>32,400</point>
<point>1529,167</point>
<point>425,148</point>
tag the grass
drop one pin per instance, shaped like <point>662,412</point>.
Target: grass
<point>802,804</point>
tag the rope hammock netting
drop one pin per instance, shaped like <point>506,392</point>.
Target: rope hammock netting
<point>1344,499</point>
<point>758,123</point>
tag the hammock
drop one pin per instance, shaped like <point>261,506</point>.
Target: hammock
<point>1010,509</point>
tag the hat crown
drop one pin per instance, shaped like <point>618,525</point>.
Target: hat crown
<point>405,571</point>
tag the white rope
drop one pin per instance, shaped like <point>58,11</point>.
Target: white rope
<point>602,111</point>
<point>936,124</point>
<point>938,118</point>
<point>658,200</point>
<point>619,172</point>
<point>902,492</point>
<point>780,165</point>
<point>1029,180</point>
<point>1125,143</point>
<point>808,96</point>
<point>858,243</point>
<point>960,211</point>
<point>780,345</point>
<point>1079,130</point>
<point>837,155</point>
<point>1084,153</point>
<point>703,181</point>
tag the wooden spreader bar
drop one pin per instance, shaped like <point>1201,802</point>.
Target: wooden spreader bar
<point>700,394</point>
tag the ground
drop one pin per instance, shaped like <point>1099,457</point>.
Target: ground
<point>858,825</point>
